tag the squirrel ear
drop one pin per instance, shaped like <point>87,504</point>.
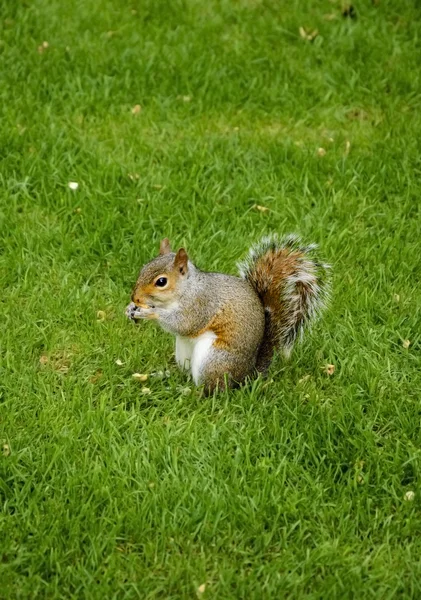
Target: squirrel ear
<point>180,261</point>
<point>164,247</point>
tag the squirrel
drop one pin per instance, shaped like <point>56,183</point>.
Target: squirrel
<point>228,328</point>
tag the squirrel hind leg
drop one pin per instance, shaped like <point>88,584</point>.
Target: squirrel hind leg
<point>272,342</point>
<point>221,370</point>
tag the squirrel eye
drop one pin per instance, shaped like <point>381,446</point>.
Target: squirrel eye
<point>161,282</point>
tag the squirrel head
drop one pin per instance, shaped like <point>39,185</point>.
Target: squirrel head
<point>160,281</point>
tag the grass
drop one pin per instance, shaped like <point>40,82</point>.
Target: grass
<point>292,487</point>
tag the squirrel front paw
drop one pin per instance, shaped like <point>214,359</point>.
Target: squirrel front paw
<point>135,313</point>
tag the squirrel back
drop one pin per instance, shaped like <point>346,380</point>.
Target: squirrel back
<point>292,284</point>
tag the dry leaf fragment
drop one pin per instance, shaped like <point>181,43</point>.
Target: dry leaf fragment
<point>146,391</point>
<point>329,369</point>
<point>201,588</point>
<point>96,376</point>
<point>184,98</point>
<point>406,344</point>
<point>136,109</point>
<point>119,362</point>
<point>321,152</point>
<point>101,315</point>
<point>43,47</point>
<point>140,376</point>
<point>6,449</point>
<point>409,496</point>
<point>58,360</point>
<point>308,35</point>
<point>161,374</point>
<point>157,374</point>
<point>260,208</point>
<point>73,185</point>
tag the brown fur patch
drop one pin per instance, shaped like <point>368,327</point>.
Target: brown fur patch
<point>223,325</point>
<point>269,274</point>
<point>142,292</point>
<point>274,267</point>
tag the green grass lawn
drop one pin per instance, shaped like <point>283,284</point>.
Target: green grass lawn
<point>296,486</point>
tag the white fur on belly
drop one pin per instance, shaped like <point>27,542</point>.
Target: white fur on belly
<point>192,353</point>
<point>202,349</point>
<point>183,351</point>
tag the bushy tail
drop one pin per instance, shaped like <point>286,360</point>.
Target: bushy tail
<point>293,286</point>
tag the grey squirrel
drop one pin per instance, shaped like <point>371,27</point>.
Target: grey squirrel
<point>227,328</point>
